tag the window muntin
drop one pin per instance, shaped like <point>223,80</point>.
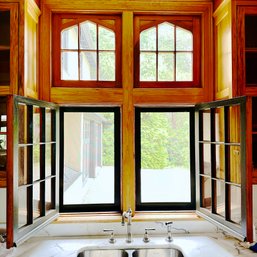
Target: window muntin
<point>90,175</point>
<point>167,51</point>
<point>164,156</point>
<point>87,51</point>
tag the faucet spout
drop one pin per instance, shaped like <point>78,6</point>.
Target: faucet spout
<point>127,215</point>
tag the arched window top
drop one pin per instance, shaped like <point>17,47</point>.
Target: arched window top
<point>88,51</point>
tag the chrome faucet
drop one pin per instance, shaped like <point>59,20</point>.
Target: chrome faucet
<point>127,215</point>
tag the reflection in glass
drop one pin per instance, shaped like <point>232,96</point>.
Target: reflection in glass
<point>48,160</point>
<point>166,67</point>
<point>36,162</point>
<point>206,192</point>
<point>36,124</point>
<point>220,161</point>
<point>22,114</point>
<point>220,198</point>
<point>22,208</point>
<point>219,125</point>
<point>69,66</point>
<point>184,67</point>
<point>88,35</point>
<point>235,164</point>
<point>69,38</point>
<point>36,201</point>
<point>88,157</point>
<point>148,39</point>
<point>48,125</point>
<point>234,124</point>
<point>235,208</point>
<point>23,165</point>
<point>165,157</point>
<point>147,66</point>
<point>107,66</point>
<point>206,125</point>
<point>48,194</point>
<point>206,159</point>
<point>166,37</point>
<point>88,65</point>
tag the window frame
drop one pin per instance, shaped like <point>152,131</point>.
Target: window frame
<point>56,51</point>
<point>182,21</point>
<point>164,206</point>
<point>101,207</point>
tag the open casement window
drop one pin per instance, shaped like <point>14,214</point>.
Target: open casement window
<point>32,166</point>
<point>221,166</point>
<point>167,51</point>
<point>86,50</point>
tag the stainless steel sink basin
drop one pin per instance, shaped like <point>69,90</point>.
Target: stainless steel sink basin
<point>157,253</point>
<point>132,253</point>
<point>103,253</point>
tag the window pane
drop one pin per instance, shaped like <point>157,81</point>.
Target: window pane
<point>235,164</point>
<point>22,113</point>
<point>36,162</point>
<point>48,128</point>
<point>219,125</point>
<point>165,67</point>
<point>88,35</point>
<point>184,40</point>
<point>220,161</point>
<point>206,159</point>
<point>166,37</point>
<point>106,39</point>
<point>206,121</point>
<point>23,207</point>
<point>147,67</point>
<point>23,165</point>
<point>36,201</point>
<point>69,69</point>
<point>69,38</point>
<point>48,194</point>
<point>148,39</point>
<point>184,67</point>
<point>107,66</point>
<point>88,65</point>
<point>48,160</point>
<point>165,157</point>
<point>88,157</point>
<point>235,194</point>
<point>206,193</point>
<point>220,198</point>
<point>234,121</point>
<point>36,124</point>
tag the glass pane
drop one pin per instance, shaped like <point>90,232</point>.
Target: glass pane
<point>148,39</point>
<point>5,67</point>
<point>5,27</point>
<point>220,198</point>
<point>165,157</point>
<point>234,124</point>
<point>22,209</point>
<point>48,125</point>
<point>48,194</point>
<point>235,194</point>
<point>69,66</point>
<point>36,162</point>
<point>220,161</point>
<point>3,147</point>
<point>106,39</point>
<point>166,37</point>
<point>88,35</point>
<point>88,65</point>
<point>206,114</point>
<point>147,67</point>
<point>48,160</point>
<point>184,67</point>
<point>107,66</point>
<point>219,125</point>
<point>207,159</point>
<point>23,157</point>
<point>88,157</point>
<point>206,200</point>
<point>184,40</point>
<point>22,116</point>
<point>69,38</point>
<point>36,124</point>
<point>250,68</point>
<point>165,67</point>
<point>36,201</point>
<point>250,31</point>
<point>235,164</point>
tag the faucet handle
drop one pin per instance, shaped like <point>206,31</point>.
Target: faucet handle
<point>146,238</point>
<point>169,237</point>
<point>112,240</point>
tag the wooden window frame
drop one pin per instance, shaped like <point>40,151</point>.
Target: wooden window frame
<point>56,53</point>
<point>191,23</point>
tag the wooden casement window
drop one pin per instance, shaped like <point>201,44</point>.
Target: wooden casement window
<point>86,50</point>
<point>167,51</point>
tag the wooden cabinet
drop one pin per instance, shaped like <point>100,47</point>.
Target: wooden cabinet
<point>8,48</point>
